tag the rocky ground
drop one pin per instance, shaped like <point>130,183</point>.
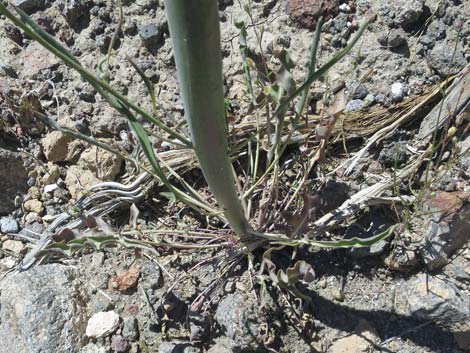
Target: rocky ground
<point>409,294</point>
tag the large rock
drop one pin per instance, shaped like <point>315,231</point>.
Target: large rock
<point>448,229</point>
<point>78,179</point>
<point>238,315</point>
<point>107,123</point>
<point>36,59</point>
<point>55,146</point>
<point>43,310</point>
<point>426,297</point>
<point>13,179</point>
<point>446,60</point>
<point>305,13</point>
<point>104,164</point>
<point>409,12</point>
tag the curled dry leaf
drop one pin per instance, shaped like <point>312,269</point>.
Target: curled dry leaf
<point>125,281</point>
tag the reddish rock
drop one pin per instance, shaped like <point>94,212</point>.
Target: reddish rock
<point>448,228</point>
<point>305,13</point>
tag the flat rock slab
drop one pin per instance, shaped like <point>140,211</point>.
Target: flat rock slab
<point>42,310</point>
<point>427,297</point>
<point>456,101</point>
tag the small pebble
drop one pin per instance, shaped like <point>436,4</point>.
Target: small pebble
<point>344,8</point>
<point>102,324</point>
<point>397,91</point>
<point>33,206</point>
<point>15,246</point>
<point>338,294</point>
<point>32,217</point>
<point>50,188</point>
<point>8,225</point>
<point>119,344</point>
<point>354,105</point>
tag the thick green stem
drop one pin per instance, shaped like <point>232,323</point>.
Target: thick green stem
<point>195,34</point>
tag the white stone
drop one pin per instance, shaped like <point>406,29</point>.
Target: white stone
<point>397,91</point>
<point>50,188</point>
<point>344,8</point>
<point>102,324</point>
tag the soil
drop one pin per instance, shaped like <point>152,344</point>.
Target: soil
<point>216,300</point>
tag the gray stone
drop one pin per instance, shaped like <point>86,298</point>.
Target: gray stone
<point>408,12</point>
<point>130,329</point>
<point>393,39</point>
<point>378,248</point>
<point>358,90</point>
<point>360,342</point>
<point>397,91</point>
<point>74,10</point>
<point>446,59</point>
<point>8,225</point>
<point>42,310</point>
<point>427,41</point>
<point>108,123</point>
<point>13,179</point>
<point>396,38</point>
<point>436,31</point>
<point>354,105</point>
<point>447,230</point>
<point>151,34</point>
<point>460,274</point>
<point>29,6</point>
<point>33,230</point>
<point>426,297</point>
<point>119,344</point>
<point>393,154</point>
<point>239,318</point>
<point>380,98</point>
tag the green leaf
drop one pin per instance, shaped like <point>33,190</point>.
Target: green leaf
<point>170,196</point>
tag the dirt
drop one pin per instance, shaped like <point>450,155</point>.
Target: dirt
<point>360,299</point>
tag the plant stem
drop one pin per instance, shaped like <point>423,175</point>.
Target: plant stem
<point>195,34</point>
